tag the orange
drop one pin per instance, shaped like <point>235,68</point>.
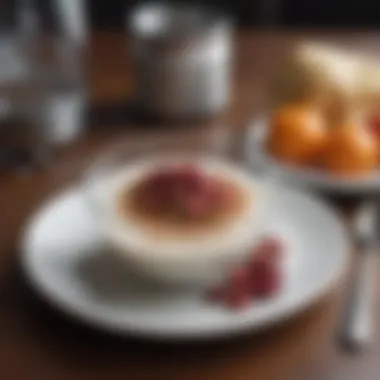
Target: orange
<point>297,134</point>
<point>351,150</point>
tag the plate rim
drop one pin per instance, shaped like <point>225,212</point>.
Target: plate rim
<point>299,305</point>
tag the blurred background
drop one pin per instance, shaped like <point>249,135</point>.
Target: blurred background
<point>56,79</point>
<point>279,13</point>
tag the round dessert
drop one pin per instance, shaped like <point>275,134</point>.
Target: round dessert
<point>182,219</point>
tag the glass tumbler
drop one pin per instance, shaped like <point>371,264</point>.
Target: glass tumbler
<point>42,94</point>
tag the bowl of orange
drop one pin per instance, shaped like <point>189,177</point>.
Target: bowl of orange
<point>299,143</point>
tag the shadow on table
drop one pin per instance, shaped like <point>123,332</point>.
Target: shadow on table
<point>123,114</point>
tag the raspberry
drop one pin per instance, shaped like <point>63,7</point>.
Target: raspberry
<point>374,124</point>
<point>270,248</point>
<point>217,294</point>
<point>238,300</point>
<point>238,294</point>
<point>197,206</point>
<point>266,278</point>
<point>184,190</point>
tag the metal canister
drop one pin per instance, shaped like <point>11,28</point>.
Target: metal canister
<point>183,59</point>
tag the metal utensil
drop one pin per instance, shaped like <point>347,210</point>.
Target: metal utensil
<point>358,327</point>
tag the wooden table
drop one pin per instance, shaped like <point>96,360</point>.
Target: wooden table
<point>37,343</point>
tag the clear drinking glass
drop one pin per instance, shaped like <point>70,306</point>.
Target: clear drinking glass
<point>42,92</point>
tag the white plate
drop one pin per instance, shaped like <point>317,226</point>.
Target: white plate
<point>259,159</point>
<point>65,260</point>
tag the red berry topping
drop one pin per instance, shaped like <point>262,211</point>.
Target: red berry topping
<point>265,278</point>
<point>260,277</point>
<point>238,294</point>
<point>270,248</point>
<point>238,300</point>
<point>374,124</point>
<point>217,294</point>
<point>183,190</point>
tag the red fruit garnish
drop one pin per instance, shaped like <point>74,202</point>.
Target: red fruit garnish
<point>191,177</point>
<point>183,190</point>
<point>238,300</point>
<point>218,192</point>
<point>154,190</point>
<point>238,291</point>
<point>270,248</point>
<point>217,294</point>
<point>152,202</point>
<point>374,124</point>
<point>260,277</point>
<point>266,278</point>
<point>197,205</point>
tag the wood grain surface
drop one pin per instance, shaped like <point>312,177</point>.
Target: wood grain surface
<point>36,343</point>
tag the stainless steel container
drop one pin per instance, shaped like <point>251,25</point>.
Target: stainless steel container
<point>183,58</point>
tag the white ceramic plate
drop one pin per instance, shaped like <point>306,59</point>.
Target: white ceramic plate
<point>66,261</point>
<point>259,160</point>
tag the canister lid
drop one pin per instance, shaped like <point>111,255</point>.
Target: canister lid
<point>167,24</point>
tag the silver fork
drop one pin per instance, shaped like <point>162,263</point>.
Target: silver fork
<point>358,327</point>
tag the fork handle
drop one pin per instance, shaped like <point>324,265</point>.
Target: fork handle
<point>358,329</point>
